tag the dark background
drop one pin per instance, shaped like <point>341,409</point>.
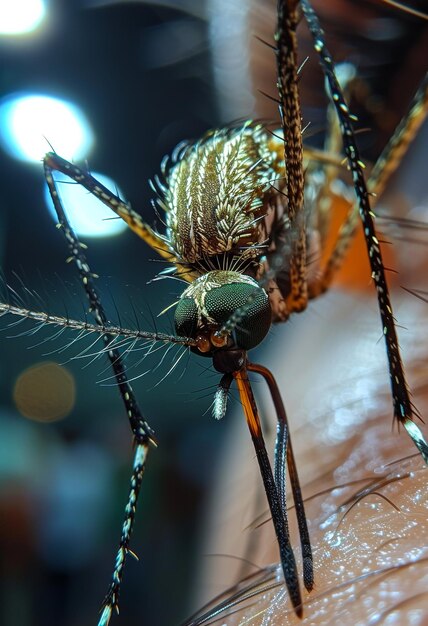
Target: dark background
<point>144,76</point>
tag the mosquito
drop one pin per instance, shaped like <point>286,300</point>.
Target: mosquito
<point>239,231</point>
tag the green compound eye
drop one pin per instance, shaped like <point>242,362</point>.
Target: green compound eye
<point>225,301</point>
<point>219,297</point>
<point>186,318</point>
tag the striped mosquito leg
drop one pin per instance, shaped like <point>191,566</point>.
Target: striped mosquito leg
<point>141,430</point>
<point>284,454</point>
<point>289,109</point>
<point>111,601</point>
<point>404,134</point>
<point>289,104</point>
<point>403,409</point>
<point>279,520</point>
<point>384,167</point>
<point>332,146</point>
<point>139,426</point>
<point>53,161</point>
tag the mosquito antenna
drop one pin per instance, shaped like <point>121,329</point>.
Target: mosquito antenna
<point>110,329</point>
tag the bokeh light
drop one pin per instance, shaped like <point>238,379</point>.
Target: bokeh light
<point>30,122</point>
<point>18,17</point>
<point>88,215</point>
<point>44,392</point>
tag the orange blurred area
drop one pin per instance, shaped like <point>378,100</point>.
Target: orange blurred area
<point>45,392</point>
<point>355,273</point>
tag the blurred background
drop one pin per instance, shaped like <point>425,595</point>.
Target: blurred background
<point>120,84</point>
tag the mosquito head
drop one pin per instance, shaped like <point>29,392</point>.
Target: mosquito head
<point>223,301</point>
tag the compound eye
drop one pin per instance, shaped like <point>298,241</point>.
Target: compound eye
<point>186,318</point>
<point>253,323</point>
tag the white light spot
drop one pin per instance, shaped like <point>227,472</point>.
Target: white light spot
<point>18,17</point>
<point>29,121</point>
<point>88,216</point>
<point>345,72</point>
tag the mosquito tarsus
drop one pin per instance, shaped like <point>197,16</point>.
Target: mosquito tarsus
<point>239,233</point>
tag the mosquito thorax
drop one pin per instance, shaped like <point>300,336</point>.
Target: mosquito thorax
<point>221,298</point>
<point>216,193</point>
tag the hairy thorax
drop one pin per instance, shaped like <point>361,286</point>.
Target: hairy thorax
<point>218,194</point>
